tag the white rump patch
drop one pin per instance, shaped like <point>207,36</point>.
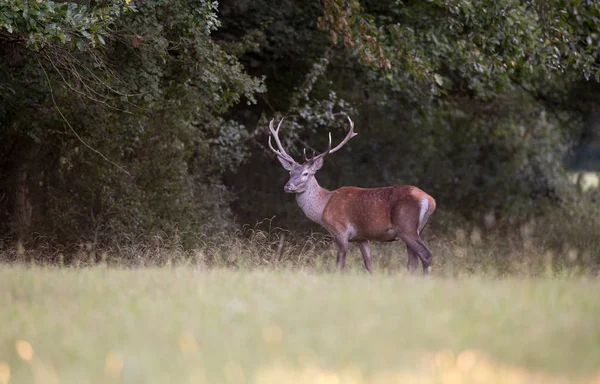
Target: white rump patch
<point>423,212</point>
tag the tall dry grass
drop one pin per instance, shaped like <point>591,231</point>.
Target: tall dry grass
<point>551,246</point>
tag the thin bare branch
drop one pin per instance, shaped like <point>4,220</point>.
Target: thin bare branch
<point>86,95</point>
<point>69,124</point>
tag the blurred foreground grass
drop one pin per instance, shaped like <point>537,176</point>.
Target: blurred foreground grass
<point>192,325</point>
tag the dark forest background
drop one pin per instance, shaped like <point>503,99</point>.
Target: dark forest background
<point>122,119</point>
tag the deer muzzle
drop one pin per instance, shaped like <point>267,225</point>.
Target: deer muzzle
<point>289,188</point>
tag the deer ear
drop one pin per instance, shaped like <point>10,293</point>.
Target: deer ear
<point>286,164</point>
<point>317,164</point>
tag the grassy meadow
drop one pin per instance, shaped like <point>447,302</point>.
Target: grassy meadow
<point>260,309</point>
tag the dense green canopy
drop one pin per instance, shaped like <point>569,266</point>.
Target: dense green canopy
<point>123,118</point>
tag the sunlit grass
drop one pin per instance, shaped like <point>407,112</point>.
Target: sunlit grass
<point>192,324</point>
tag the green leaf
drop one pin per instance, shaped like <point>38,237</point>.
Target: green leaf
<point>80,45</point>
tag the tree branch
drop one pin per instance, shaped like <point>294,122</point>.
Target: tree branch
<point>71,127</point>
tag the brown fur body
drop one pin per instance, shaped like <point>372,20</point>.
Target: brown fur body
<point>379,214</point>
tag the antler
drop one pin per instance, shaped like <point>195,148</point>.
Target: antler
<point>275,133</point>
<point>350,135</point>
<point>306,158</point>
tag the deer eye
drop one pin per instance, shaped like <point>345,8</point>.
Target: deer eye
<point>305,174</point>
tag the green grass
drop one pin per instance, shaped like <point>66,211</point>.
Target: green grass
<point>189,324</point>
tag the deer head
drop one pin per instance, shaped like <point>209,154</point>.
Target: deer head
<point>301,174</point>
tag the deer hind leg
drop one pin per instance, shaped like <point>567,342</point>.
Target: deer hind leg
<point>413,260</point>
<point>426,265</point>
<point>422,252</point>
<point>421,249</point>
<point>408,230</point>
<point>365,249</point>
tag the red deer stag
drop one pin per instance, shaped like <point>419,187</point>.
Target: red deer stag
<point>359,215</point>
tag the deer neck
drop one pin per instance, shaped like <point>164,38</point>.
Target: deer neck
<point>313,200</point>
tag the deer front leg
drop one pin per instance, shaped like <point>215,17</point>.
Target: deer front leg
<point>365,249</point>
<point>342,246</point>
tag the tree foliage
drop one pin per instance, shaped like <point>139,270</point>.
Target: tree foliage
<point>114,117</point>
<point>123,118</point>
